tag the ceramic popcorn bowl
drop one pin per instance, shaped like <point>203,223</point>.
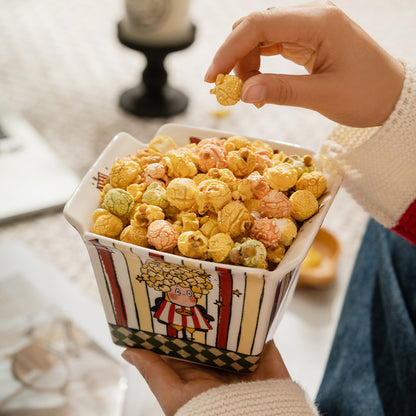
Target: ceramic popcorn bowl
<point>225,328</point>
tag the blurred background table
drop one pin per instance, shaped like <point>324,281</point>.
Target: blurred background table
<point>63,69</point>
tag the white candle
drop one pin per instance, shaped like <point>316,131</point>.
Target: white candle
<point>157,22</point>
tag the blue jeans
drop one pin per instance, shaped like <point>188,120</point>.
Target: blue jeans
<point>371,369</point>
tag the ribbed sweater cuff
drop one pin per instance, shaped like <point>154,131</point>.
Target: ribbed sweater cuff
<point>275,397</point>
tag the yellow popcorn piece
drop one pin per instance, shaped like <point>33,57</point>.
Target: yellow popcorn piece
<point>133,234</point>
<point>314,181</point>
<point>136,190</point>
<point>276,254</point>
<point>123,173</point>
<point>281,177</point>
<point>304,205</point>
<point>181,193</point>
<point>210,226</point>
<point>189,221</point>
<point>212,195</point>
<point>288,230</point>
<point>219,246</point>
<point>234,219</point>
<point>227,89</point>
<point>105,223</point>
<point>180,164</point>
<point>193,244</point>
<point>235,143</point>
<point>241,162</point>
<point>162,144</point>
<point>146,214</point>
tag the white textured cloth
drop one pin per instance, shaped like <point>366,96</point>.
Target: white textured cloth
<point>276,397</point>
<point>378,164</point>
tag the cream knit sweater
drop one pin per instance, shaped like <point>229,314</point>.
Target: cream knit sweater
<point>379,169</point>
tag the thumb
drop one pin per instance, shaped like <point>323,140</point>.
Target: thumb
<point>294,90</point>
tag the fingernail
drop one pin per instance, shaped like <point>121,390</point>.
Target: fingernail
<point>127,355</point>
<point>254,94</point>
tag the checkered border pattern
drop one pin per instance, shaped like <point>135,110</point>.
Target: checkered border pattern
<point>184,349</point>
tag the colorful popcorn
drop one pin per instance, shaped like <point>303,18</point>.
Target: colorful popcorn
<point>229,200</point>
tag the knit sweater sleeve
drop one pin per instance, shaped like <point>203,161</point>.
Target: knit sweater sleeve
<point>378,164</point>
<point>274,397</point>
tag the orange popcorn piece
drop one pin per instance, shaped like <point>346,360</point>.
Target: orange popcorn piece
<point>227,89</point>
<point>275,204</point>
<point>162,235</point>
<point>267,231</point>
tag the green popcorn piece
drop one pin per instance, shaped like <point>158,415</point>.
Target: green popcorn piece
<point>118,201</point>
<point>155,194</point>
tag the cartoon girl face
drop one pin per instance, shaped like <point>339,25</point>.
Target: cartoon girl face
<point>182,296</point>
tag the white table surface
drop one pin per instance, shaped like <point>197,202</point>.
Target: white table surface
<point>62,68</point>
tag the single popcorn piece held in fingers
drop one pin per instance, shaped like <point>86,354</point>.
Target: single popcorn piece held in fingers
<point>219,246</point>
<point>267,231</point>
<point>227,89</point>
<point>181,193</point>
<point>314,182</point>
<point>281,176</point>
<point>275,204</point>
<point>118,201</point>
<point>304,205</point>
<point>250,253</point>
<point>193,244</point>
<point>162,235</point>
<point>105,223</point>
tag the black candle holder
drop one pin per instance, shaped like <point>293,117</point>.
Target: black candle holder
<point>153,97</point>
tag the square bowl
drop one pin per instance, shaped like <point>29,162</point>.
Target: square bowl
<point>228,326</point>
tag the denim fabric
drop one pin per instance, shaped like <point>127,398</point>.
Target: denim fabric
<point>372,365</point>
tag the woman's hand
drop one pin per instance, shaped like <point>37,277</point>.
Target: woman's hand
<point>175,382</point>
<point>351,80</point>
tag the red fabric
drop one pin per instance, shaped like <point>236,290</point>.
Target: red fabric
<point>406,226</point>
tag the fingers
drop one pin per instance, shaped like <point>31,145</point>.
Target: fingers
<point>278,25</point>
<point>293,90</point>
<point>160,377</point>
<point>271,364</point>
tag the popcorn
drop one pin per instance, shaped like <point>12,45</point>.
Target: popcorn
<point>281,177</point>
<point>145,214</point>
<point>288,230</point>
<point>105,223</point>
<point>219,246</point>
<point>212,196</point>
<point>314,181</point>
<point>275,254</point>
<point>181,193</point>
<point>135,234</point>
<point>275,204</point>
<point>211,156</point>
<point>223,199</point>
<point>227,89</point>
<point>304,205</point>
<point>250,253</point>
<point>267,231</point>
<point>123,173</point>
<point>234,219</point>
<point>155,194</point>
<point>162,144</point>
<point>155,172</point>
<point>259,186</point>
<point>241,162</point>
<point>162,235</point>
<point>118,201</point>
<point>193,244</point>
<point>180,164</point>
